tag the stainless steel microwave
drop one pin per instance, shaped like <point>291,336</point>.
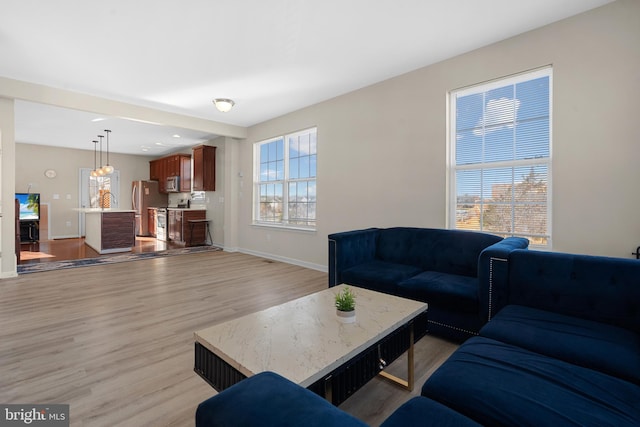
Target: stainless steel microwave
<point>173,184</point>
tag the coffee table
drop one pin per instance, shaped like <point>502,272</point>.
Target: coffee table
<point>304,341</point>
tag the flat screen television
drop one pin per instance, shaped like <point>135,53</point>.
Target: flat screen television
<point>29,206</point>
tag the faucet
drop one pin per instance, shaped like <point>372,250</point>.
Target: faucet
<point>111,198</point>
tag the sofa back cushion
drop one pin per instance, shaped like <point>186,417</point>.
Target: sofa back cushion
<point>446,251</point>
<point>591,287</point>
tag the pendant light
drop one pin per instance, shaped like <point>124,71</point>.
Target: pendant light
<point>94,172</point>
<point>100,170</point>
<point>108,169</point>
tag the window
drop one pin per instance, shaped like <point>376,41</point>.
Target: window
<point>285,180</point>
<point>500,157</point>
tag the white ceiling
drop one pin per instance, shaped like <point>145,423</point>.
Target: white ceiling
<point>270,56</point>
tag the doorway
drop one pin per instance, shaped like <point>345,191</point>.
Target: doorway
<point>97,192</point>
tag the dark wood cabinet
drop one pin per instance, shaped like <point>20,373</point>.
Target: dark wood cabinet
<point>180,230</point>
<point>184,173</point>
<point>118,231</point>
<point>204,168</point>
<point>154,170</point>
<point>175,165</point>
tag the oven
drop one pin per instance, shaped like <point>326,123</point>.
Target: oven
<point>161,224</point>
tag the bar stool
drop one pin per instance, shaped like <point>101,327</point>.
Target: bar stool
<point>193,223</point>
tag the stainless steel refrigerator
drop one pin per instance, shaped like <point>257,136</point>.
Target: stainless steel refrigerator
<point>145,194</point>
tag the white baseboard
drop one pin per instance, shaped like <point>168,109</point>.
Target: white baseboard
<point>312,266</point>
<point>70,236</point>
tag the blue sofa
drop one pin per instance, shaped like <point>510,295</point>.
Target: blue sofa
<point>452,270</point>
<point>270,400</point>
<point>562,349</point>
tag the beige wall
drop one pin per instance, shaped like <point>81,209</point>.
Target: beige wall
<point>382,149</point>
<point>381,153</point>
<point>7,185</point>
<point>31,162</point>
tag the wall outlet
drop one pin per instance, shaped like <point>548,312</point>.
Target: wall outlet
<point>68,223</point>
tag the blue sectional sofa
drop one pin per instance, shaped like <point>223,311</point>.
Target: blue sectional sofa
<point>563,349</point>
<point>452,270</point>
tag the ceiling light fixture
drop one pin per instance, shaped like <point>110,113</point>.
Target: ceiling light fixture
<point>108,169</point>
<point>94,172</point>
<point>102,170</point>
<point>224,104</point>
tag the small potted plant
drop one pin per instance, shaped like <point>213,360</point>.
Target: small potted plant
<point>346,305</point>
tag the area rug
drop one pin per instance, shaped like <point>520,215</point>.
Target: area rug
<point>110,259</point>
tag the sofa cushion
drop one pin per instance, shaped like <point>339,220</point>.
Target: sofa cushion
<point>379,275</point>
<point>447,251</point>
<point>268,399</point>
<point>599,346</point>
<point>597,288</point>
<point>446,290</point>
<point>499,384</point>
<point>422,411</point>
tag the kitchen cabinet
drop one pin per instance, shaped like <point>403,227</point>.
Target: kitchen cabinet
<point>175,165</point>
<point>180,230</point>
<point>110,231</point>
<point>204,168</point>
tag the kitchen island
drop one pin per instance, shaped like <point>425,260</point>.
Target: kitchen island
<point>110,230</point>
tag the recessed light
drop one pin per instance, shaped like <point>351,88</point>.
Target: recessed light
<point>144,148</point>
<point>159,143</point>
<point>98,119</point>
<point>176,135</point>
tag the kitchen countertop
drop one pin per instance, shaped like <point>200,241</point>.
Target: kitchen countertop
<point>187,209</point>
<point>101,210</point>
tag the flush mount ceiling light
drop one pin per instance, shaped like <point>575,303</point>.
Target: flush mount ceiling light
<point>224,104</point>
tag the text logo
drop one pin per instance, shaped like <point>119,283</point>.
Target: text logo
<point>34,415</point>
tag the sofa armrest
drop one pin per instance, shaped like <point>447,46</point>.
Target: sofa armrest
<point>493,275</point>
<point>350,248</point>
<point>268,399</point>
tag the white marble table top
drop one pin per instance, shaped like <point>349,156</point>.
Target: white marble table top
<point>303,340</point>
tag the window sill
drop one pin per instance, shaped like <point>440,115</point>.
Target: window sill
<point>284,227</point>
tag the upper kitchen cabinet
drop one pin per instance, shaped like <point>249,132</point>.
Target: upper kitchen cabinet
<point>175,165</point>
<point>204,168</point>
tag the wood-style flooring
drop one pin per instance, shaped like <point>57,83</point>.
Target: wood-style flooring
<point>70,249</point>
<point>115,342</point>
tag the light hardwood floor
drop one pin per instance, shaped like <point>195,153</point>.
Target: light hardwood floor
<point>115,342</point>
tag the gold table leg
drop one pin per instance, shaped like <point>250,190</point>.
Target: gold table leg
<point>408,383</point>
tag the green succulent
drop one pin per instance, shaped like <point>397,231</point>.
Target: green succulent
<point>346,300</point>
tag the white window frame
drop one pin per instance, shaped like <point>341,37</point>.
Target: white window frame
<point>452,168</point>
<point>285,223</point>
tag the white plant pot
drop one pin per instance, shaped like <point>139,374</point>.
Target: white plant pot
<point>346,316</point>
